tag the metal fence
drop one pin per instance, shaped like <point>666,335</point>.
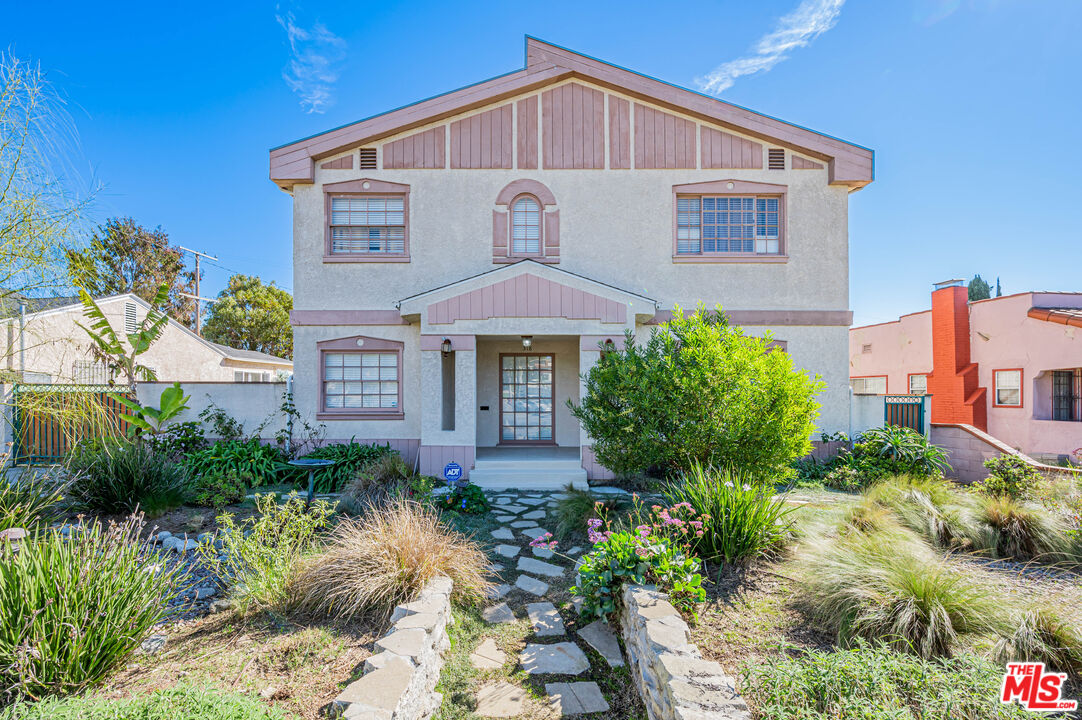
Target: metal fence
<point>50,420</point>
<point>904,411</point>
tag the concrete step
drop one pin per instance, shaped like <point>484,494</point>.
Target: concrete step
<point>539,465</point>
<point>537,476</point>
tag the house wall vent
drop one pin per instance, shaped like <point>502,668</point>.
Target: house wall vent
<point>368,158</point>
<point>775,159</point>
<point>130,322</point>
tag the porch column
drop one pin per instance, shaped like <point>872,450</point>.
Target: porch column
<point>589,355</point>
<point>447,381</point>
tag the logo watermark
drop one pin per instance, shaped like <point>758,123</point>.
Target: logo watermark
<point>1034,689</point>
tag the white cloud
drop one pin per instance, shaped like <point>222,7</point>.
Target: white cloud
<point>315,56</point>
<point>811,19</point>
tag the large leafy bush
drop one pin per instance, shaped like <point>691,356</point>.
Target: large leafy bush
<point>1010,476</point>
<point>698,390</point>
<point>73,609</point>
<point>119,478</point>
<point>263,463</point>
<point>349,459</point>
<point>886,451</point>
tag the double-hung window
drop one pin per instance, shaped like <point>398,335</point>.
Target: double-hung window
<point>725,224</point>
<point>876,385</point>
<point>918,384</point>
<point>526,226</point>
<point>360,381</point>
<point>1008,388</point>
<point>368,225</point>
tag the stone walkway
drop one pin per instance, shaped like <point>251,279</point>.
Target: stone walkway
<point>552,654</point>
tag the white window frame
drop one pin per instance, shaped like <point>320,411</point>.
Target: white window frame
<point>861,385</point>
<point>1000,383</point>
<point>924,379</point>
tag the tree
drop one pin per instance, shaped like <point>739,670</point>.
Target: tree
<point>999,290</point>
<point>979,289</point>
<point>251,315</point>
<point>698,391</point>
<point>125,257</point>
<point>107,348</point>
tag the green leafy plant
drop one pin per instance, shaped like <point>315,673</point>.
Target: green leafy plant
<point>224,426</point>
<point>249,458</point>
<point>741,519</point>
<point>73,609</point>
<point>349,459</point>
<point>179,440</point>
<point>150,420</point>
<point>385,478</point>
<point>122,477</point>
<point>184,701</point>
<point>261,556</point>
<point>883,452</point>
<point>699,390</point>
<point>107,347</point>
<point>469,500</point>
<point>217,490</point>
<point>30,500</point>
<point>576,507</point>
<point>1009,476</point>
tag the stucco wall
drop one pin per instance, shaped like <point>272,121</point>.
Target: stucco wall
<point>251,404</point>
<point>898,349</point>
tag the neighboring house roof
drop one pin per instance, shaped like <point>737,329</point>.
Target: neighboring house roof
<point>9,305</point>
<point>1063,316</point>
<point>224,350</point>
<point>848,164</point>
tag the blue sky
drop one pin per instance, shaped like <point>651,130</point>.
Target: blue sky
<point>972,107</point>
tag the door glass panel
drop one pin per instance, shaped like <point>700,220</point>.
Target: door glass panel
<point>527,390</point>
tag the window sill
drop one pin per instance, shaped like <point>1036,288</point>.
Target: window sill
<point>733,258</point>
<point>549,260</point>
<point>360,416</point>
<point>366,258</point>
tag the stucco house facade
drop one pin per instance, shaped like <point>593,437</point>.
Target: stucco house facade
<point>461,261</point>
<point>48,346</point>
<point>1010,366</point>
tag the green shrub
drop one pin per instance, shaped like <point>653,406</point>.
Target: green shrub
<point>260,556</point>
<point>216,490</point>
<point>1014,530</point>
<point>244,457</point>
<point>33,499</point>
<point>893,450</point>
<point>124,477</point>
<point>350,458</point>
<point>844,476</point>
<point>73,609</point>
<point>183,702</point>
<point>383,478</point>
<point>1009,476</point>
<point>469,500</point>
<point>698,390</point>
<point>741,518</point>
<point>179,440</point>
<point>576,507</point>
<point>876,683</point>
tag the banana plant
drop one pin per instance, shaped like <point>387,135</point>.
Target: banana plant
<point>106,345</point>
<point>146,419</point>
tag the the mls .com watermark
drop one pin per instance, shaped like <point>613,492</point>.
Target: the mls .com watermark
<point>1034,689</point>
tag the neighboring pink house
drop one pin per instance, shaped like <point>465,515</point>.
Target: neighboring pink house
<point>1011,366</point>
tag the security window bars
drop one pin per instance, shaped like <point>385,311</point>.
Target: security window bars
<point>368,225</point>
<point>360,380</point>
<point>1067,394</point>
<point>526,227</point>
<point>723,224</point>
<point>1008,388</point>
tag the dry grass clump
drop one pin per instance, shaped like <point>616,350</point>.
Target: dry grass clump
<point>1022,532</point>
<point>387,557</point>
<point>1048,633</point>
<point>375,483</point>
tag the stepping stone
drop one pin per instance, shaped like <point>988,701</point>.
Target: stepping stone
<point>534,532</point>
<point>495,567</point>
<point>533,500</point>
<point>576,602</point>
<point>576,698</point>
<point>545,619</point>
<point>498,614</point>
<point>535,515</point>
<point>503,534</point>
<point>504,518</point>
<point>542,553</point>
<point>500,700</point>
<point>563,658</point>
<point>487,656</point>
<point>531,585</point>
<point>503,500</point>
<point>524,524</point>
<point>600,637</point>
<point>608,491</point>
<point>498,592</point>
<point>574,551</point>
<point>538,567</point>
<point>513,508</point>
<point>508,551</point>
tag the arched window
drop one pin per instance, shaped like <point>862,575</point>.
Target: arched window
<point>526,226</point>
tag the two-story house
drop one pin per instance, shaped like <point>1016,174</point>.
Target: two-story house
<point>461,261</point>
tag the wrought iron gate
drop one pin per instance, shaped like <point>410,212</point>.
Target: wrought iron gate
<point>904,411</point>
<point>50,420</point>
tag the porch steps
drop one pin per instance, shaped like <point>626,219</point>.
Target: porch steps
<point>528,474</point>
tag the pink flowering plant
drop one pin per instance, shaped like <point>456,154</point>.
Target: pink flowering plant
<point>638,556</point>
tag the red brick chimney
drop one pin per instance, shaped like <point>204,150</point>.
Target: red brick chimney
<point>956,396</point>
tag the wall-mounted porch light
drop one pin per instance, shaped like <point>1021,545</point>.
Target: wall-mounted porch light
<point>445,347</point>
<point>527,342</point>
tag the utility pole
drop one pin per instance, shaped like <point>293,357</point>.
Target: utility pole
<point>198,300</point>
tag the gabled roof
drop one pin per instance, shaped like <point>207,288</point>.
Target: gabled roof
<point>848,164</point>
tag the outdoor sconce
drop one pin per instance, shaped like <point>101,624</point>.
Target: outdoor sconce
<point>527,342</point>
<point>445,347</point>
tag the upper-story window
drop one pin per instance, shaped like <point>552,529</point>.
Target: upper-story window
<point>526,226</point>
<point>368,225</point>
<point>728,224</point>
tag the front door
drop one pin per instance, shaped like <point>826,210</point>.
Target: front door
<point>527,383</point>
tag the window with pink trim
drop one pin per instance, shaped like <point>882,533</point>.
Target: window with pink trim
<point>362,225</point>
<point>360,378</point>
<point>526,226</point>
<point>721,224</point>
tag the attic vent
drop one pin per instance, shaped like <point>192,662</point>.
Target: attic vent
<point>130,324</point>
<point>866,348</point>
<point>775,159</point>
<point>368,158</point>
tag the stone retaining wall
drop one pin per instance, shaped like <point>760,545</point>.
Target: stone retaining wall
<point>399,681</point>
<point>674,680</point>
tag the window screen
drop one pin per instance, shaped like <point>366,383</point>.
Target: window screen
<point>368,225</point>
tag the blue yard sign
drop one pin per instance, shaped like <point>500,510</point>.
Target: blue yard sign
<point>452,471</point>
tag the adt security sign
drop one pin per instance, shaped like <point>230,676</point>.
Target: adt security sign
<point>452,471</point>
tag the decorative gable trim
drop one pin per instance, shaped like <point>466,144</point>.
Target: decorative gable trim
<point>723,150</point>
<point>801,163</point>
<point>528,296</point>
<point>501,222</point>
<point>343,163</point>
<point>423,150</point>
